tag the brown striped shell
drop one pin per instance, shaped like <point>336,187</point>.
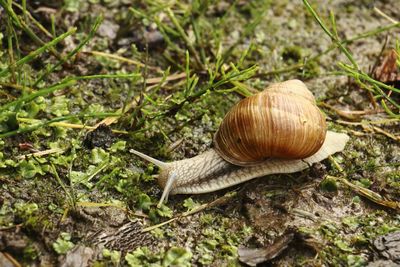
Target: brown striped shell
<point>283,121</point>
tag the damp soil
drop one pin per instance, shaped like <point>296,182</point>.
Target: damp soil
<point>299,219</point>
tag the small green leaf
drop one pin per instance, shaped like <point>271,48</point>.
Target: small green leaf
<point>144,202</point>
<point>343,246</point>
<point>2,163</point>
<point>59,106</point>
<point>8,121</point>
<point>355,260</point>
<point>118,146</point>
<point>329,185</point>
<point>176,256</point>
<point>164,211</point>
<point>26,209</point>
<point>99,155</point>
<point>78,177</point>
<point>142,257</point>
<point>190,204</point>
<point>63,243</point>
<point>28,169</point>
<point>34,107</point>
<point>72,5</point>
<point>113,255</point>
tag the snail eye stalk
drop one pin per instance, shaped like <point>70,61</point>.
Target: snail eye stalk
<point>156,162</point>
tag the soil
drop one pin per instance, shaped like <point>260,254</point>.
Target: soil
<point>90,203</point>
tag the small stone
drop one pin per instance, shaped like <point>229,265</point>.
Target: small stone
<point>108,29</point>
<point>78,256</point>
<point>388,246</point>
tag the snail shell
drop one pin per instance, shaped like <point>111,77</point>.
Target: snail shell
<point>283,121</point>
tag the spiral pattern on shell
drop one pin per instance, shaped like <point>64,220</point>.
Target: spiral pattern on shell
<point>283,121</point>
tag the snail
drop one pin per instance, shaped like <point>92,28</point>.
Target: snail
<point>279,130</point>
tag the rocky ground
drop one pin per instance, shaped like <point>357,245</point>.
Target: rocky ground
<point>159,77</point>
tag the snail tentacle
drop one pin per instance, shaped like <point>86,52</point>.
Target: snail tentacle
<point>156,162</point>
<point>167,189</point>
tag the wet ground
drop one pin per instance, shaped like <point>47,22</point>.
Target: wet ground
<point>91,202</point>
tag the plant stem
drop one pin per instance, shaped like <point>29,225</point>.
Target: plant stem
<point>334,38</point>
<point>329,49</point>
<point>42,92</point>
<point>185,38</point>
<point>96,25</point>
<point>58,119</point>
<point>32,55</point>
<point>22,25</point>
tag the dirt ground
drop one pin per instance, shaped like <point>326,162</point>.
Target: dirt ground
<point>89,201</point>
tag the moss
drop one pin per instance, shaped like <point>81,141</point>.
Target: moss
<point>30,253</point>
<point>329,185</point>
<point>175,119</point>
<point>292,53</point>
<point>355,233</point>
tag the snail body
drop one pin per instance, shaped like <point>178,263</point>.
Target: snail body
<point>297,138</point>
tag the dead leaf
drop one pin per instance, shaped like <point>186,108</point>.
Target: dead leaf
<point>388,71</point>
<point>254,256</point>
<point>79,256</point>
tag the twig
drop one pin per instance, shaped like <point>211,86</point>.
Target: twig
<point>369,194</point>
<point>17,86</point>
<point>384,121</point>
<point>305,214</point>
<point>219,201</point>
<point>337,165</point>
<point>11,259</point>
<point>351,114</point>
<point>11,227</point>
<point>41,153</point>
<point>392,136</point>
<point>380,12</point>
<point>368,125</point>
<point>171,77</point>
<point>44,123</point>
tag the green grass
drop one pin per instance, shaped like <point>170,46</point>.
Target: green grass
<point>363,79</point>
<point>57,81</point>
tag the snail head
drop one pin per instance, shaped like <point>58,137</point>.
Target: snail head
<point>166,177</point>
